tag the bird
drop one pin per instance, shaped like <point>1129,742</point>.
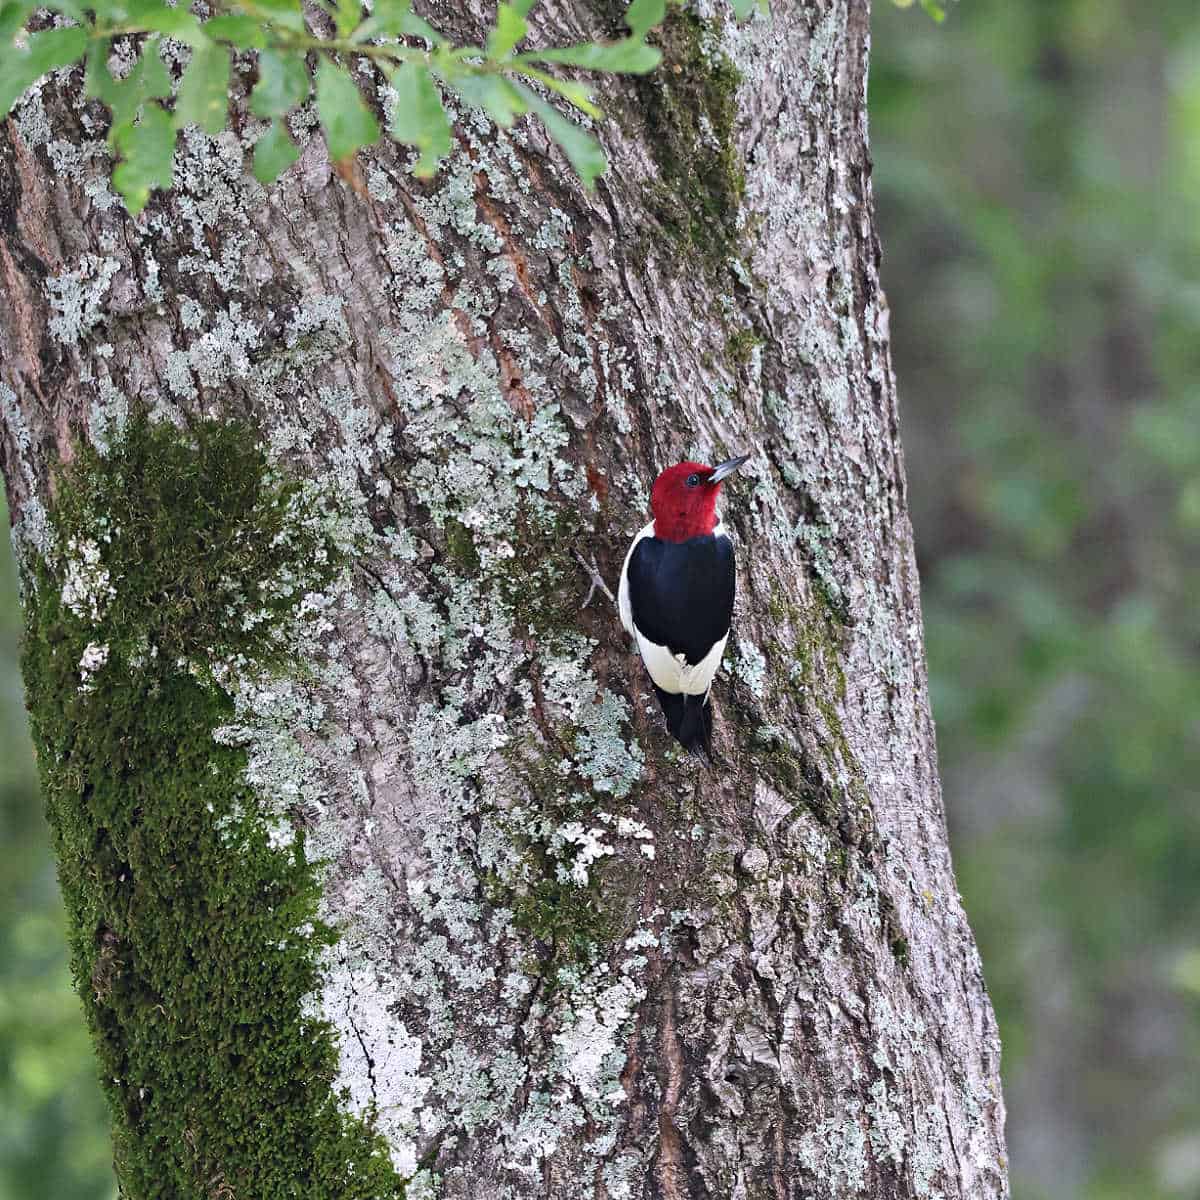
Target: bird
<point>675,597</point>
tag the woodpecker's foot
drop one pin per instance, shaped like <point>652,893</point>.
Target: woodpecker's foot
<point>589,565</point>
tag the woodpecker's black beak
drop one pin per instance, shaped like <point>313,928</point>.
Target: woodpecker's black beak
<point>725,469</point>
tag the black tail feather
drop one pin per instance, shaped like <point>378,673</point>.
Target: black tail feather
<point>689,718</point>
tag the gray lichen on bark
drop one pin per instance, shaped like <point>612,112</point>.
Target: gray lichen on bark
<point>571,963</point>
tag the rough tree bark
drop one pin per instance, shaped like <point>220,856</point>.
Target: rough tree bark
<point>306,651</point>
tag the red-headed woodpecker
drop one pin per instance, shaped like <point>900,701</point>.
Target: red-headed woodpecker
<point>676,595</point>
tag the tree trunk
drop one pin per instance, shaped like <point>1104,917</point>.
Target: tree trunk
<point>297,478</point>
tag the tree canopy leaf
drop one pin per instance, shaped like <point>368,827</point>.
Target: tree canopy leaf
<point>420,120</point>
<point>510,29</point>
<point>347,122</point>
<point>274,152</point>
<point>177,22</point>
<point>642,15</point>
<point>495,94</point>
<point>204,92</point>
<point>285,14</point>
<point>147,81</point>
<point>396,18</point>
<point>241,30</point>
<point>147,149</point>
<point>283,83</point>
<point>46,51</point>
<point>580,147</point>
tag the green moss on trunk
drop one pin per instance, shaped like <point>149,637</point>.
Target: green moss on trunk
<point>193,913</point>
<point>690,106</point>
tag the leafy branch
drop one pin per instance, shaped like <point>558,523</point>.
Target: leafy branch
<point>419,64</point>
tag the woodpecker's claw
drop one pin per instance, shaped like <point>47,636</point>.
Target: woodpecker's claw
<point>594,575</point>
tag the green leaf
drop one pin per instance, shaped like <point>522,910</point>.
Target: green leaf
<point>579,146</point>
<point>238,29</point>
<point>577,93</point>
<point>147,81</point>
<point>174,22</point>
<point>628,56</point>
<point>346,17</point>
<point>12,18</point>
<point>493,93</point>
<point>134,12</point>
<point>642,15</point>
<point>394,18</point>
<point>420,120</point>
<point>274,152</point>
<point>936,11</point>
<point>283,83</point>
<point>348,123</point>
<point>510,29</point>
<point>286,14</point>
<point>96,79</point>
<point>414,26</point>
<point>150,76</point>
<point>46,51</point>
<point>147,149</point>
<point>204,93</point>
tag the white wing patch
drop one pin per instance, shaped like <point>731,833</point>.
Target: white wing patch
<point>671,672</point>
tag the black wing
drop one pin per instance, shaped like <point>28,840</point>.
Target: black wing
<point>681,593</point>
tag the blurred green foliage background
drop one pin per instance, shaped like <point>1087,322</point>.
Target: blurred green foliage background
<point>1037,172</point>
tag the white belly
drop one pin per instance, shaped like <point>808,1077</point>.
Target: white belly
<point>674,674</point>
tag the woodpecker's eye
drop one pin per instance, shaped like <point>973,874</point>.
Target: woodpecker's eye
<point>693,481</point>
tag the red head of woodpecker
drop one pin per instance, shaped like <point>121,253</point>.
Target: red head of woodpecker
<point>676,595</point>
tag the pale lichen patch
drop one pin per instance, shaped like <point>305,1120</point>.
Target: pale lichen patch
<point>77,297</point>
<point>751,667</point>
<point>87,586</point>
